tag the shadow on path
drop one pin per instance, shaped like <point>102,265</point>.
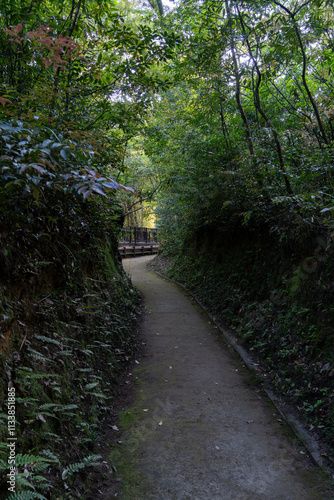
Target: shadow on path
<point>200,430</point>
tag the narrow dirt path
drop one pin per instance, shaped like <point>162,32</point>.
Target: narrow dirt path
<point>199,429</point>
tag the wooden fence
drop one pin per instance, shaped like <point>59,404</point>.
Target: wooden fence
<point>137,250</point>
<point>138,236</point>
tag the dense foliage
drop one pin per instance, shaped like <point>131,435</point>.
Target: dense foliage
<point>220,114</point>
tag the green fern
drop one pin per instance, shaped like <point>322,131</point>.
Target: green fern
<point>26,400</point>
<point>66,353</point>
<point>48,339</point>
<point>54,437</point>
<point>26,495</point>
<point>76,467</point>
<point>42,466</point>
<point>27,375</point>
<point>66,407</point>
<point>39,463</point>
<point>51,455</point>
<point>88,387</point>
<point>21,482</point>
<point>97,395</point>
<point>47,406</point>
<point>39,356</point>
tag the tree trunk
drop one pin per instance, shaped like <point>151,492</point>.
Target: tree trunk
<point>238,92</point>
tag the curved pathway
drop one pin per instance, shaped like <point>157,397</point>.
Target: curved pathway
<point>201,430</point>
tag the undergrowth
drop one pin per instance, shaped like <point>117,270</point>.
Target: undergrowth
<point>67,313</point>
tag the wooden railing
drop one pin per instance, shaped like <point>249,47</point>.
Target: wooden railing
<point>137,250</point>
<point>138,236</point>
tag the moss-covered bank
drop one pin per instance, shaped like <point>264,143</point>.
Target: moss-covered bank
<point>67,316</point>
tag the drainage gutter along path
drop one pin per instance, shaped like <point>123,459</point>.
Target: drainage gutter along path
<point>200,430</point>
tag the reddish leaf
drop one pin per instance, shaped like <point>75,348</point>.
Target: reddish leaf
<point>3,101</point>
<point>38,168</point>
<point>47,163</point>
<point>127,188</point>
<point>47,63</point>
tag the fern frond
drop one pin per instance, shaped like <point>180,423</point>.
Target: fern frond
<point>97,395</point>
<point>66,407</point>
<point>22,482</point>
<point>42,466</point>
<point>28,459</point>
<point>86,462</point>
<point>38,355</point>
<point>51,455</point>
<point>3,465</point>
<point>48,339</point>
<point>41,480</point>
<point>88,387</point>
<point>47,406</point>
<point>26,495</point>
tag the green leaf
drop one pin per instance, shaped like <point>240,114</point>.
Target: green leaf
<point>65,153</point>
<point>98,189</point>
<point>111,184</point>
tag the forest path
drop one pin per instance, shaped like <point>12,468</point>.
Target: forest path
<point>199,430</point>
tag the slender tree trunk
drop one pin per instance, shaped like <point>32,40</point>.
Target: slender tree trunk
<point>264,115</point>
<point>238,91</point>
<point>224,128</point>
<point>292,15</point>
<point>222,118</point>
<point>157,5</point>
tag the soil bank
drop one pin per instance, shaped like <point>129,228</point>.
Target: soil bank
<point>198,429</point>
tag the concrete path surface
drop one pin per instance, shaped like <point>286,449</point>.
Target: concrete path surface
<point>201,430</point>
